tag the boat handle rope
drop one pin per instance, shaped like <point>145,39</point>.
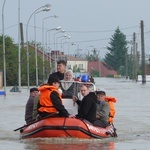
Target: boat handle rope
<point>65,127</point>
<point>87,127</point>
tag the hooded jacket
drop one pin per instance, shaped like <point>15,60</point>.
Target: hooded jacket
<point>87,107</point>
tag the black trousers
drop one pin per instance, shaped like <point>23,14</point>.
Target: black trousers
<point>101,123</point>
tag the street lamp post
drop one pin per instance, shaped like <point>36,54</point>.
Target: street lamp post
<point>4,57</point>
<point>49,30</point>
<point>65,35</point>
<point>98,58</point>
<point>19,59</point>
<point>44,7</point>
<point>36,63</point>
<point>62,31</point>
<point>77,50</point>
<point>43,43</point>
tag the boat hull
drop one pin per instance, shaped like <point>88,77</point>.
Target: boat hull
<point>64,127</point>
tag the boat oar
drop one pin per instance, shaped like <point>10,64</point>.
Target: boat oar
<point>115,133</point>
<point>52,114</point>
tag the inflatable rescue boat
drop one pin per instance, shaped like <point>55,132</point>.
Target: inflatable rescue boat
<point>65,127</point>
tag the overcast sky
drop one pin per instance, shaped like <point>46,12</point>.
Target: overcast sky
<point>88,22</point>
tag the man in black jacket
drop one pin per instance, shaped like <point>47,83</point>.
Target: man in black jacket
<point>61,68</point>
<point>87,107</point>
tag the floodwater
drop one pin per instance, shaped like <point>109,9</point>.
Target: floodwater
<point>132,120</point>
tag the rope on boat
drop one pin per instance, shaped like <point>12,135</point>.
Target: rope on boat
<point>65,127</point>
<point>87,127</point>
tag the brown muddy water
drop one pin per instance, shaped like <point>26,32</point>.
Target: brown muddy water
<point>132,120</point>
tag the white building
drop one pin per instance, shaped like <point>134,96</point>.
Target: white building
<point>78,63</point>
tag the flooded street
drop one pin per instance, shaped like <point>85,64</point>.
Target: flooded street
<point>132,120</point>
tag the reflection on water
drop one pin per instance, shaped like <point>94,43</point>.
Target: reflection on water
<point>68,144</point>
<point>132,120</point>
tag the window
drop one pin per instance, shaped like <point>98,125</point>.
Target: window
<point>80,66</point>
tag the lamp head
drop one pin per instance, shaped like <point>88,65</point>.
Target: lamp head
<point>46,9</point>
<point>65,35</point>
<point>58,28</point>
<point>74,43</point>
<point>55,16</point>
<point>47,6</point>
<point>69,37</point>
<point>62,31</point>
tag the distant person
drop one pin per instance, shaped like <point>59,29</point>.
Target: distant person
<point>103,110</point>
<point>50,100</point>
<point>91,79</point>
<point>61,68</point>
<point>29,105</point>
<point>67,85</point>
<point>87,107</point>
<point>77,79</point>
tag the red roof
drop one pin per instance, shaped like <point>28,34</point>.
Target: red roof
<point>104,69</point>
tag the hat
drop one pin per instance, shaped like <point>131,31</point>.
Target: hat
<point>100,91</point>
<point>33,89</point>
<point>53,80</point>
<point>69,71</point>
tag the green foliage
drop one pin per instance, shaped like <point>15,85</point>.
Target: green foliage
<point>117,50</point>
<point>95,73</point>
<point>90,57</point>
<point>11,55</point>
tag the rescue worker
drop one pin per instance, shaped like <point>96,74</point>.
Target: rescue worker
<point>50,100</point>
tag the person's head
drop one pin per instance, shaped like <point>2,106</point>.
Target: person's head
<point>61,66</point>
<point>101,94</point>
<point>84,90</point>
<point>54,82</point>
<point>68,75</point>
<point>34,92</point>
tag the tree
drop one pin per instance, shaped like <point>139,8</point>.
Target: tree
<point>117,52</point>
<point>11,54</point>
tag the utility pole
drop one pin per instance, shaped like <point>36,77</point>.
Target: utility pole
<point>143,53</point>
<point>134,57</point>
<point>126,62</point>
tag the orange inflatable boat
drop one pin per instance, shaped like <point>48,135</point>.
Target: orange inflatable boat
<point>65,127</point>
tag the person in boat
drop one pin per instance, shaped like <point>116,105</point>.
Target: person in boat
<point>61,69</point>
<point>34,92</point>
<point>103,110</point>
<point>35,109</point>
<point>91,79</point>
<point>50,100</point>
<point>67,85</point>
<point>87,106</point>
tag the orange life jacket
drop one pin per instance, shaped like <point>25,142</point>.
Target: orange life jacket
<point>46,104</point>
<point>111,100</point>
